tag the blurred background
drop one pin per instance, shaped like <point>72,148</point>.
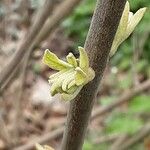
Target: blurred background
<point>28,113</point>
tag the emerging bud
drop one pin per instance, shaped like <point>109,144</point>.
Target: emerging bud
<point>72,75</point>
<point>126,26</point>
<point>45,147</point>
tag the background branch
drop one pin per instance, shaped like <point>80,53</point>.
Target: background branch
<point>125,97</point>
<point>28,41</point>
<point>141,134</point>
<point>37,35</point>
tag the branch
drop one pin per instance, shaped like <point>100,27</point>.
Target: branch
<point>125,97</point>
<point>59,14</point>
<point>47,137</point>
<point>98,43</point>
<point>18,102</point>
<point>28,40</point>
<point>144,131</point>
<point>52,23</point>
<point>118,142</point>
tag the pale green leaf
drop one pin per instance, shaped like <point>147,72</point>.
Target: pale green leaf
<point>56,75</point>
<point>55,88</point>
<point>60,74</point>
<point>134,20</point>
<point>45,147</point>
<point>80,76</point>
<point>39,147</point>
<point>54,62</point>
<point>123,23</point>
<point>83,60</point>
<point>130,16</point>
<point>90,74</point>
<point>72,89</point>
<point>69,97</point>
<point>71,59</point>
<point>56,84</point>
<point>67,80</point>
<point>72,83</point>
<point>119,36</point>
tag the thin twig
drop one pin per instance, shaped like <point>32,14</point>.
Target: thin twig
<point>47,137</point>
<point>118,142</point>
<point>125,97</point>
<point>52,23</point>
<point>135,59</point>
<point>106,138</point>
<point>28,41</point>
<point>136,138</point>
<point>4,132</point>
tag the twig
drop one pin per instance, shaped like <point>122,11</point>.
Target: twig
<point>98,43</point>
<point>18,102</point>
<point>119,141</point>
<point>28,41</point>
<point>144,131</point>
<point>106,138</point>
<point>9,79</point>
<point>135,59</point>
<point>47,137</point>
<point>122,99</point>
<point>4,132</point>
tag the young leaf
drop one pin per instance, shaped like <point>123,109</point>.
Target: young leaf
<point>67,80</point>
<point>72,83</point>
<point>45,147</point>
<point>121,31</point>
<point>69,97</point>
<point>54,62</point>
<point>80,76</point>
<point>71,59</point>
<point>135,19</point>
<point>83,60</point>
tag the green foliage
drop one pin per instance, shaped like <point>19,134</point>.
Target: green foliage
<point>121,123</point>
<point>88,145</point>
<point>104,101</point>
<point>126,82</point>
<point>77,25</point>
<point>140,104</point>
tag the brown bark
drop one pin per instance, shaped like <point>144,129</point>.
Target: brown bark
<point>98,43</point>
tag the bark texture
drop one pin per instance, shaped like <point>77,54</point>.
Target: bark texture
<point>98,43</point>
